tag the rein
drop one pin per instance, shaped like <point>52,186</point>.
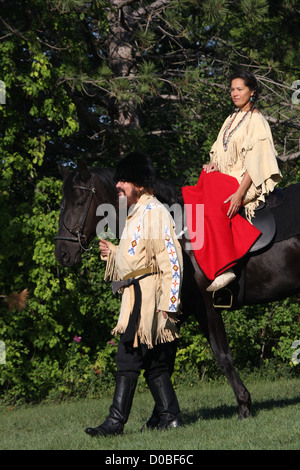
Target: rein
<point>78,234</point>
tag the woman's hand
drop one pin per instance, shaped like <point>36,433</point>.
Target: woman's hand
<point>236,199</point>
<point>235,203</point>
<point>210,167</point>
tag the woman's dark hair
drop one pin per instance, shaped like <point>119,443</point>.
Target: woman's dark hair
<point>250,82</point>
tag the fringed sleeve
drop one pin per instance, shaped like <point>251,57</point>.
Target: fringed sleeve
<point>110,270</point>
<point>260,155</point>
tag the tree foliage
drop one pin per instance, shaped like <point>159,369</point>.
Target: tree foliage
<point>95,80</point>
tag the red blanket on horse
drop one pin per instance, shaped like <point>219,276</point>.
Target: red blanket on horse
<point>225,240</point>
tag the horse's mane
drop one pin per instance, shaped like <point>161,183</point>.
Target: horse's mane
<point>67,187</point>
<point>165,191</point>
<point>105,175</point>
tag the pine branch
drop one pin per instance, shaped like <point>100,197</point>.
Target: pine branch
<point>288,157</point>
<point>287,123</point>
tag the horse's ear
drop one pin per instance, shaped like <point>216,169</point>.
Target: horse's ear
<point>83,170</point>
<point>63,171</point>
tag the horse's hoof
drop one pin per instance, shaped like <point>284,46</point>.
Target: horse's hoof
<point>244,412</point>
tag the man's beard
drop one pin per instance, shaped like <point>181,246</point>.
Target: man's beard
<point>132,198</point>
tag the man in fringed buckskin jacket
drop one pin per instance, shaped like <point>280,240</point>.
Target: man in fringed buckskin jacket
<point>147,268</point>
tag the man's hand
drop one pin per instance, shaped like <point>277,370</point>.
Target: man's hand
<point>164,313</point>
<point>105,247</point>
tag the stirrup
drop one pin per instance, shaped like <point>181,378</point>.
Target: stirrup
<point>220,305</point>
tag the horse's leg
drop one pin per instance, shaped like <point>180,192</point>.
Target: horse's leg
<point>195,300</point>
<point>220,346</point>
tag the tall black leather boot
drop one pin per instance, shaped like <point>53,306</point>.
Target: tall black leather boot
<point>153,421</point>
<point>166,403</point>
<point>119,410</point>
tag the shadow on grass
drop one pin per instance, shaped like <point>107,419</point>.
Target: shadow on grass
<point>231,411</point>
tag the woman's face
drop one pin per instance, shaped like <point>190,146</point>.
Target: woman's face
<point>241,94</point>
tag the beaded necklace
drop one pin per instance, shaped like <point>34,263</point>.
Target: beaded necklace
<point>227,135</point>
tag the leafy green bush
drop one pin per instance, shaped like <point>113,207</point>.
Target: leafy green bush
<point>259,333</point>
<point>62,303</point>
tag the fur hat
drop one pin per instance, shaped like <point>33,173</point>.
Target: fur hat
<point>136,168</point>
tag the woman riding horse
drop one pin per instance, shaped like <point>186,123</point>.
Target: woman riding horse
<point>243,169</point>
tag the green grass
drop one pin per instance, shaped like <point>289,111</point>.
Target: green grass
<point>209,411</point>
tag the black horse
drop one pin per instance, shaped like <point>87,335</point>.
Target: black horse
<point>272,273</point>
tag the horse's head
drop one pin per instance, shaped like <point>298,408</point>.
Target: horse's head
<point>83,193</point>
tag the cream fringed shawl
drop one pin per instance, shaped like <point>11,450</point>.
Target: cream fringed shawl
<point>250,148</point>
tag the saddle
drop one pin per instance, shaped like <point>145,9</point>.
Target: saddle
<point>264,221</point>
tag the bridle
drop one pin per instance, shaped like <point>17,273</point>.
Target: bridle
<point>78,234</point>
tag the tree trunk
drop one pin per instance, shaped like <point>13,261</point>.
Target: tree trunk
<point>125,114</point>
